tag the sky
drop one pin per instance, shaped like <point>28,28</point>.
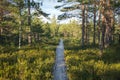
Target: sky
<point>49,7</point>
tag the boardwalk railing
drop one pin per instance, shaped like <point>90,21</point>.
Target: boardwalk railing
<point>60,67</point>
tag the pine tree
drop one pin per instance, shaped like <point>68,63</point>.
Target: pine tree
<point>94,20</point>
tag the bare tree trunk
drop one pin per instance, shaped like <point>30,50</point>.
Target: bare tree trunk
<point>20,28</point>
<point>99,28</point>
<point>86,25</point>
<point>102,40</point>
<point>88,36</point>
<point>111,26</point>
<point>119,27</point>
<point>1,19</point>
<point>103,28</point>
<point>94,28</point>
<point>29,23</point>
<point>83,24</point>
<point>29,39</point>
<point>109,23</point>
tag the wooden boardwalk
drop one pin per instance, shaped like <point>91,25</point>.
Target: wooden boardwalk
<point>60,67</point>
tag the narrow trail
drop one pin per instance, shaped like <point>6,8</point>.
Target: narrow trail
<point>60,67</point>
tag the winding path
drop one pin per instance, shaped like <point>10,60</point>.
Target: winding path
<point>60,67</point>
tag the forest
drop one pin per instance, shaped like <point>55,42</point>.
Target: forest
<point>28,44</point>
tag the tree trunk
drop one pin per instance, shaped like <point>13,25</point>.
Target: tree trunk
<point>1,30</point>
<point>20,28</point>
<point>109,24</point>
<point>119,19</point>
<point>86,26</point>
<point>29,39</point>
<point>119,38</point>
<point>29,23</point>
<point>83,24</point>
<point>103,28</point>
<point>102,40</point>
<point>99,31</point>
<point>1,19</point>
<point>88,36</point>
<point>36,37</point>
<point>94,28</point>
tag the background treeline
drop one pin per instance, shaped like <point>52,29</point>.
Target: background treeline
<point>99,25</point>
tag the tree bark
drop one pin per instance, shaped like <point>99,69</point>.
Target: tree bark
<point>29,39</point>
<point>29,23</point>
<point>103,28</point>
<point>94,28</point>
<point>99,31</point>
<point>83,24</point>
<point>1,19</point>
<point>86,25</point>
<point>109,23</point>
<point>20,28</point>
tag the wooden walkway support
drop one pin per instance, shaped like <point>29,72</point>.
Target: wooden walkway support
<point>60,67</point>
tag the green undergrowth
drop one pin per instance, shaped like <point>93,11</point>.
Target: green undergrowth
<point>88,65</point>
<point>36,62</point>
<point>31,62</point>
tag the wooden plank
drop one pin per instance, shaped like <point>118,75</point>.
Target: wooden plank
<point>60,67</point>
